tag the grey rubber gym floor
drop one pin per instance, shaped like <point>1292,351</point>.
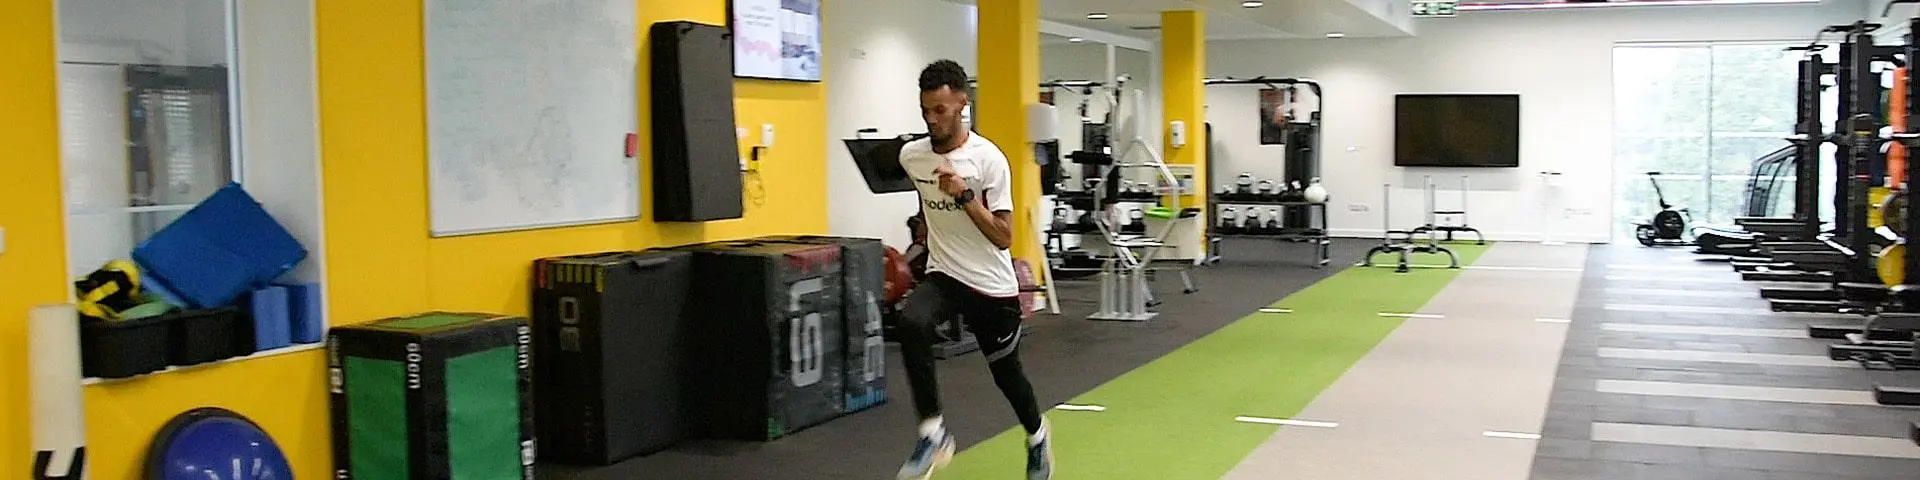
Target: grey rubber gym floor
<point>1672,370</point>
<point>1065,355</point>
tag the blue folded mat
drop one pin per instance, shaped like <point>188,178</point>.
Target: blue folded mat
<point>221,249</point>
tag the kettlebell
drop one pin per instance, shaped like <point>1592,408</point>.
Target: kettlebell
<point>1292,193</point>
<point>1245,183</point>
<point>1266,190</point>
<point>1316,193</point>
<point>1225,190</point>
<point>1229,219</point>
<point>1061,215</point>
<point>1250,222</point>
<point>1136,221</point>
<point>1273,220</point>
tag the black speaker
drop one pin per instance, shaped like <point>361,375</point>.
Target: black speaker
<point>696,158</point>
<point>610,339</point>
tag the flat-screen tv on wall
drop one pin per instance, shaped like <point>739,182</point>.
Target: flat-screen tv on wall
<point>776,39</point>
<point>1456,130</point>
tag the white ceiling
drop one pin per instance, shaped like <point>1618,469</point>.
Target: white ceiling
<point>1227,20</point>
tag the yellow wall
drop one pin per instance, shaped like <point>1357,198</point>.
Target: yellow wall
<point>380,260</point>
<point>35,258</point>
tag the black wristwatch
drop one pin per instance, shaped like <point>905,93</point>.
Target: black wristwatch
<point>963,197</point>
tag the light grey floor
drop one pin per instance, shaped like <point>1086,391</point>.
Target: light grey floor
<point>1451,398</point>
<point>1674,368</point>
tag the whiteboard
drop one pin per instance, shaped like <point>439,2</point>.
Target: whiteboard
<point>529,105</point>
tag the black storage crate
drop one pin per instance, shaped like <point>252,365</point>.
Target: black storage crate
<point>124,348</point>
<point>609,330</point>
<point>201,336</point>
<point>432,396</point>
<point>767,331</point>
<point>862,268</point>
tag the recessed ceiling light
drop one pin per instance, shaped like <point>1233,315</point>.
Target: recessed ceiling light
<point>1096,16</point>
<point>1076,40</point>
<point>1336,35</point>
<point>1252,3</point>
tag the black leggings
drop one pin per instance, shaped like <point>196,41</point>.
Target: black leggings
<point>994,322</point>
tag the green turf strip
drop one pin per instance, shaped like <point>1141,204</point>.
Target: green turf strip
<point>1174,417</point>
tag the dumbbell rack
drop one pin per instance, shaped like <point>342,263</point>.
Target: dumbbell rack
<point>1317,236</point>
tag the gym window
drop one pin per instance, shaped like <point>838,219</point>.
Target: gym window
<point>164,103</point>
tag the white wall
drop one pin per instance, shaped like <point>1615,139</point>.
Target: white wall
<point>874,50</point>
<point>1558,61</point>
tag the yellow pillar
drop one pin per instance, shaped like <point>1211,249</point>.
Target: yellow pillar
<point>1183,67</point>
<point>1009,73</point>
<point>33,266</point>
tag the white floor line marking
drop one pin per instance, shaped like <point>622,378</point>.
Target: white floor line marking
<point>1755,440</point>
<point>1513,435</point>
<point>1525,269</point>
<point>1684,293</point>
<point>1285,421</point>
<point>1715,267</point>
<point>1703,330</point>
<point>1737,392</point>
<point>1674,279</point>
<point>1079,408</point>
<point>1553,320</point>
<point>1411,315</point>
<point>1276,310</point>
<point>1634,307</point>
<point>1723,357</point>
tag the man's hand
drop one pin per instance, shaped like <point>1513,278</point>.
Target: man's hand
<point>950,182</point>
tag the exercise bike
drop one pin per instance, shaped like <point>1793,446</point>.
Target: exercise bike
<point>1668,226</point>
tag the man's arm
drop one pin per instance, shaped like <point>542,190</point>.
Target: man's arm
<point>996,225</point>
<point>993,213</point>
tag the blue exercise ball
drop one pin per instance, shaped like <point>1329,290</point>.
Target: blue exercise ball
<point>215,444</point>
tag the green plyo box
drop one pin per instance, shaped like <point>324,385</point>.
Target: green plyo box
<point>435,396</point>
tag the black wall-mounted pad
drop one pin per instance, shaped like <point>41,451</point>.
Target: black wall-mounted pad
<point>610,336</point>
<point>696,157</point>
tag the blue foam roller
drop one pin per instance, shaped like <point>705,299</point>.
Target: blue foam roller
<point>303,313</point>
<point>272,327</point>
<point>215,444</point>
<point>219,250</point>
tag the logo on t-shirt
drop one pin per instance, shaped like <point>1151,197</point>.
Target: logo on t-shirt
<point>946,205</point>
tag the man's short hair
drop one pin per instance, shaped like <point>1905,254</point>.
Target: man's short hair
<point>944,73</point>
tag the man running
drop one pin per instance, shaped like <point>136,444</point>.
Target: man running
<point>966,197</point>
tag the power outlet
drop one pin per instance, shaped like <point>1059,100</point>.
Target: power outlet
<point>1358,207</point>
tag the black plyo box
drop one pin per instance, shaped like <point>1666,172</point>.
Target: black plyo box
<point>768,332</point>
<point>610,333</point>
<point>862,267</point>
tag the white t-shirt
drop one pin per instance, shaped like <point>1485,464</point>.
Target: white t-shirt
<point>955,245</point>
